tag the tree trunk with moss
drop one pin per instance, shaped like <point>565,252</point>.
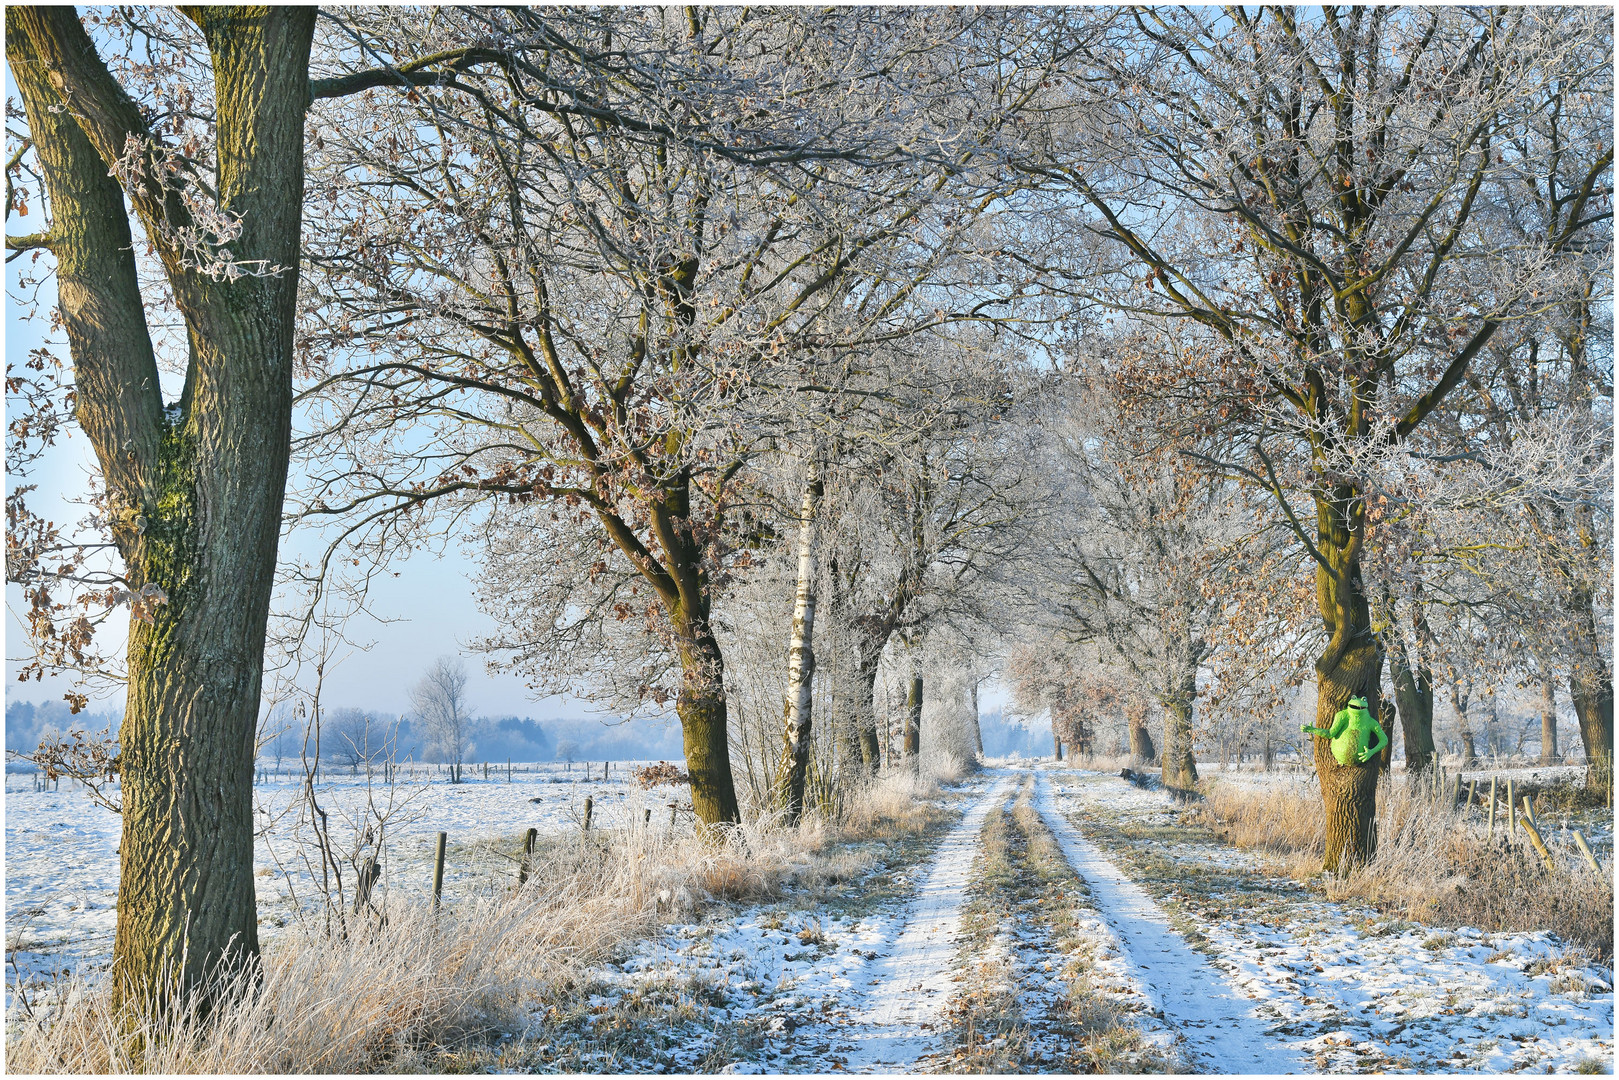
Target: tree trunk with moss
<point>703,725</point>
<point>196,487</point>
<point>913,719</point>
<point>1350,666</point>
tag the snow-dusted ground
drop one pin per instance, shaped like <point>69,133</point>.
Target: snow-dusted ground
<point>1246,969</point>
<point>61,861</point>
<point>910,985</point>
<point>1217,1023</point>
<point>1355,991</point>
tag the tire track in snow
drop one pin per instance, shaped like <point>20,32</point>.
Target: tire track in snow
<point>903,1017</point>
<point>1215,1020</point>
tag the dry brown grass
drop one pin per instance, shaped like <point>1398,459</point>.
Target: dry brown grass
<point>1434,863</point>
<point>433,993</point>
<point>1437,864</point>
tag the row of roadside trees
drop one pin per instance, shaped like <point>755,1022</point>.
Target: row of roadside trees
<point>773,365</point>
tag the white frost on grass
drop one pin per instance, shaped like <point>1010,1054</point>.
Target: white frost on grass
<point>61,853</point>
<point>1360,991</point>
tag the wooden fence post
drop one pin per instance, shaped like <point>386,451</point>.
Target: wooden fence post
<point>1529,811</point>
<point>438,871</point>
<point>1456,796</point>
<point>1539,845</point>
<point>1472,794</point>
<point>1585,850</point>
<point>1512,812</point>
<point>589,806</point>
<point>1492,805</point>
<point>528,856</point>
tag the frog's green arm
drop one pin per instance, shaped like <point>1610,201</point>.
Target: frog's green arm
<point>1380,737</point>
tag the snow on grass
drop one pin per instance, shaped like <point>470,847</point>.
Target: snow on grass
<point>782,988</point>
<point>61,860</point>
<point>1216,1021</point>
<point>1355,990</point>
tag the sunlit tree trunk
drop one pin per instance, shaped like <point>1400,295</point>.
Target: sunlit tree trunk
<point>1548,722</point>
<point>702,712</point>
<point>800,664</point>
<point>196,489</point>
<point>913,718</point>
<point>1351,665</point>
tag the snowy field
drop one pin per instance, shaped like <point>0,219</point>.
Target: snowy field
<point>61,853</point>
<point>1212,954</point>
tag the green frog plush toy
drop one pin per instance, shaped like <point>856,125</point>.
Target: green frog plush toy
<point>1353,731</point>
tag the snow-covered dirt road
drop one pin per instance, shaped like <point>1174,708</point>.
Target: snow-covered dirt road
<point>1342,986</point>
<point>910,985</point>
<point>1217,1023</point>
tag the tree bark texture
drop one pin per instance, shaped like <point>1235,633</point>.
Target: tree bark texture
<point>1593,706</point>
<point>978,730</point>
<point>196,489</point>
<point>800,664</point>
<point>1351,665</point>
<point>913,718</point>
<point>703,726</point>
<point>1141,747</point>
<point>1458,701</point>
<point>1548,722</point>
<point>871,753</point>
<point>1180,757</point>
<point>1413,696</point>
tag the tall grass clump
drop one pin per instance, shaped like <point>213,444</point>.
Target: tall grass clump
<point>1434,863</point>
<point>419,990</point>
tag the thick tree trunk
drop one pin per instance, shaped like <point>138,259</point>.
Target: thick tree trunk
<point>1413,695</point>
<point>1141,747</point>
<point>795,751</point>
<point>1593,706</point>
<point>197,490</point>
<point>1056,746</point>
<point>1348,792</point>
<point>1548,723</point>
<point>1180,759</point>
<point>1458,701</point>
<point>1351,665</point>
<point>703,729</point>
<point>913,718</point>
<point>871,752</point>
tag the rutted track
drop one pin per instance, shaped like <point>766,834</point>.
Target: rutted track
<point>1215,1020</point>
<point>902,1020</point>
